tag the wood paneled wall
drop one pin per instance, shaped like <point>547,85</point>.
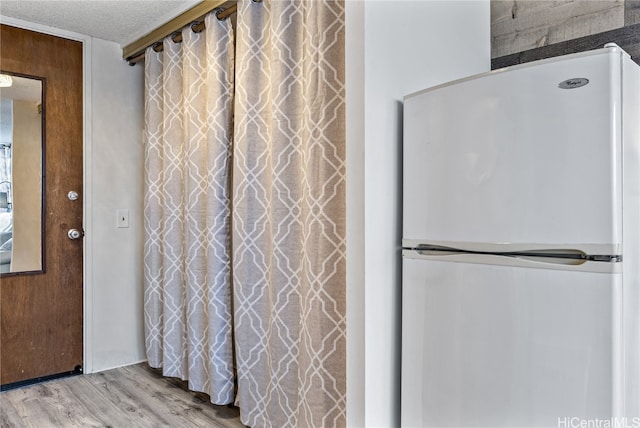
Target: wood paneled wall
<point>526,30</point>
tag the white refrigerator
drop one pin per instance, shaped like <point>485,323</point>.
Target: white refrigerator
<point>521,246</point>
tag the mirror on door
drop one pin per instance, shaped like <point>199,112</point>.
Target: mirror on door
<point>21,178</point>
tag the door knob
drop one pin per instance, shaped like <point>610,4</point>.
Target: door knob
<point>74,234</point>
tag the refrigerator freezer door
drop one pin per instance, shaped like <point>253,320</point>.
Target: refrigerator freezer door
<point>500,346</point>
<point>511,157</point>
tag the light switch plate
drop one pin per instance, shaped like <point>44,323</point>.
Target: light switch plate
<point>123,218</point>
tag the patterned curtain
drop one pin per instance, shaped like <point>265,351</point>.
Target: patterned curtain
<point>188,121</point>
<point>289,214</point>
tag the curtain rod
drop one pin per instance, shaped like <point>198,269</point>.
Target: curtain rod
<point>134,52</point>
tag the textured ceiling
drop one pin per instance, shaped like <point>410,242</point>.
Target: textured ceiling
<point>121,21</point>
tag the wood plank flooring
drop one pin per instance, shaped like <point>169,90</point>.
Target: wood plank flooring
<point>127,397</point>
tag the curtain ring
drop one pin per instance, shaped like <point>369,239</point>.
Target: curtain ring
<point>197,26</point>
<point>257,1</point>
<point>157,46</point>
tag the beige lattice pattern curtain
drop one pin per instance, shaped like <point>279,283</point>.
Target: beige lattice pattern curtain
<point>289,214</point>
<point>187,267</point>
<point>284,242</point>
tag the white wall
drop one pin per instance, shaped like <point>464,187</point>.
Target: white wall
<point>354,88</point>
<point>114,328</point>
<point>408,46</point>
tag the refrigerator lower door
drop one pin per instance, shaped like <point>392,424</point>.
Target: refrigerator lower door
<point>505,346</point>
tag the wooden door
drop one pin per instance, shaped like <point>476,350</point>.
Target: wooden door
<point>41,313</point>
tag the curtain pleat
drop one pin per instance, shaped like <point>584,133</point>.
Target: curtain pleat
<point>289,214</point>
<point>187,265</point>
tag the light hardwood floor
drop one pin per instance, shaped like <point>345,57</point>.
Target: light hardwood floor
<point>127,397</point>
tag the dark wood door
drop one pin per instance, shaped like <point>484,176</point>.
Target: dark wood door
<point>41,313</point>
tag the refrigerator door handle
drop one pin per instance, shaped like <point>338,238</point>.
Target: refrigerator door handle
<point>572,260</point>
<point>569,260</point>
<point>568,256</point>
